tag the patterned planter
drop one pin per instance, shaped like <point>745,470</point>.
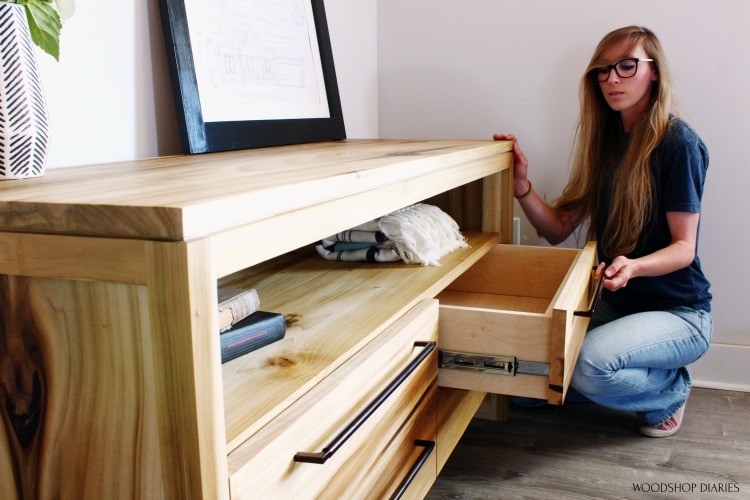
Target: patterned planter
<point>24,125</point>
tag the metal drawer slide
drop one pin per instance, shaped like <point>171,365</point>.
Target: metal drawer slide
<point>498,365</point>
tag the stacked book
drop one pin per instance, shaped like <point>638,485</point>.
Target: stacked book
<point>243,327</point>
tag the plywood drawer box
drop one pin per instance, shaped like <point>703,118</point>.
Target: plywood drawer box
<point>508,325</point>
<point>268,463</point>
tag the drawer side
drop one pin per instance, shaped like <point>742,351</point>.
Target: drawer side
<point>569,329</point>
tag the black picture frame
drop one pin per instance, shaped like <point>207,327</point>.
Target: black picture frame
<point>199,136</point>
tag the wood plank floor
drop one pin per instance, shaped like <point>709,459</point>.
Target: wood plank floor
<point>586,451</point>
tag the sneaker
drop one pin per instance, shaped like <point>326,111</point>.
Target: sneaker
<point>665,429</point>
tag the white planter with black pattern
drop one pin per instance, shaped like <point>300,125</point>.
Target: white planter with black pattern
<point>24,125</point>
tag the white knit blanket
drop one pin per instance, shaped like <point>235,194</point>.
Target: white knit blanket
<point>420,233</point>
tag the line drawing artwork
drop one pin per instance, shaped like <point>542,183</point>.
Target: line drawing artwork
<point>256,59</point>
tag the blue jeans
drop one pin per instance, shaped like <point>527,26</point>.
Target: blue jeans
<point>637,362</point>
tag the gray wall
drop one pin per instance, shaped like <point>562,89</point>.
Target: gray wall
<point>110,97</point>
<point>466,69</point>
<point>450,69</point>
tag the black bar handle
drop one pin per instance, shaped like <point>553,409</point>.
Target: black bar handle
<point>594,300</point>
<point>428,447</point>
<point>321,456</point>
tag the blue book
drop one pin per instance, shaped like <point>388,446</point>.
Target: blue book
<point>257,330</point>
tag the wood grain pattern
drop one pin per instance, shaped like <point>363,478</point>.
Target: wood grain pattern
<point>184,197</point>
<point>494,301</point>
<point>531,386</point>
<point>390,470</point>
<point>24,385</point>
<point>456,407</point>
<point>332,306</point>
<point>518,270</point>
<point>482,205</point>
<point>322,220</point>
<point>505,189</point>
<point>568,330</point>
<point>498,308</point>
<point>313,421</point>
<point>463,204</point>
<point>495,332</point>
<point>106,366</point>
<point>572,293</point>
<point>182,305</point>
<point>73,257</point>
<point>497,215</point>
<point>77,390</point>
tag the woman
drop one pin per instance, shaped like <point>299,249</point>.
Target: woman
<point>637,177</point>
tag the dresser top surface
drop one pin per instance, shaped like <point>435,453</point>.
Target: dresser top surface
<point>189,196</point>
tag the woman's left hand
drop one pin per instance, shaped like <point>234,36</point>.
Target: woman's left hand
<point>618,273</point>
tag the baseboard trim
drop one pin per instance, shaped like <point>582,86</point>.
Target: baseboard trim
<point>725,367</point>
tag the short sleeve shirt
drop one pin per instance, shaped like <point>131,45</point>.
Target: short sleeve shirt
<point>678,167</point>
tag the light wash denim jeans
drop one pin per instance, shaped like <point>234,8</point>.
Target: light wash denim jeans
<point>637,362</point>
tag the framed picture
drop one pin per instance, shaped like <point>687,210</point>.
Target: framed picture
<point>251,73</point>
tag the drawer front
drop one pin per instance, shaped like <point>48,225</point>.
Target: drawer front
<point>265,466</point>
<point>521,312</point>
<point>406,468</point>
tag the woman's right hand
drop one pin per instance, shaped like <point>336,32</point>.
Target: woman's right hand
<point>520,164</point>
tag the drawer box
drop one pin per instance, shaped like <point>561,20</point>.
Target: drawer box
<point>511,316</point>
<point>265,465</point>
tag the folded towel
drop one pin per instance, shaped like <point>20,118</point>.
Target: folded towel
<point>359,236</point>
<point>371,254</point>
<point>419,233</point>
<point>343,246</point>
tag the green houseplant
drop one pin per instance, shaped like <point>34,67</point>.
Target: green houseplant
<point>44,21</point>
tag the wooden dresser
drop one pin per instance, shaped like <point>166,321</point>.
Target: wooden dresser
<point>110,376</point>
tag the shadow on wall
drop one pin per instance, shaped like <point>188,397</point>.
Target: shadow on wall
<point>437,103</point>
<point>156,87</point>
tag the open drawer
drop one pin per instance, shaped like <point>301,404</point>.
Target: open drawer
<point>514,322</point>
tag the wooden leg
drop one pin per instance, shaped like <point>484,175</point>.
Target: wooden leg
<point>182,298</point>
<point>494,407</point>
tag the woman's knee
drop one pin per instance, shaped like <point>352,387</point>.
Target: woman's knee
<point>593,370</point>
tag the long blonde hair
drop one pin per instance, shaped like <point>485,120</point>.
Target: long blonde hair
<point>597,136</point>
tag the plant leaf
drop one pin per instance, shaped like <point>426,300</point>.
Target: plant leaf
<point>45,26</point>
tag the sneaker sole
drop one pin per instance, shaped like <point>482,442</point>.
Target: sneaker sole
<point>657,433</point>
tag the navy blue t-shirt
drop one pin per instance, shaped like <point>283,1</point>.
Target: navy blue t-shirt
<point>678,167</point>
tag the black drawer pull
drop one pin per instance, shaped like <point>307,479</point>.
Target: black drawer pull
<point>594,299</point>
<point>428,447</point>
<point>321,456</point>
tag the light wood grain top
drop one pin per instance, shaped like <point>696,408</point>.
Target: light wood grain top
<point>189,196</point>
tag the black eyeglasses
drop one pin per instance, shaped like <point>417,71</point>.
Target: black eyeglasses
<point>625,68</point>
